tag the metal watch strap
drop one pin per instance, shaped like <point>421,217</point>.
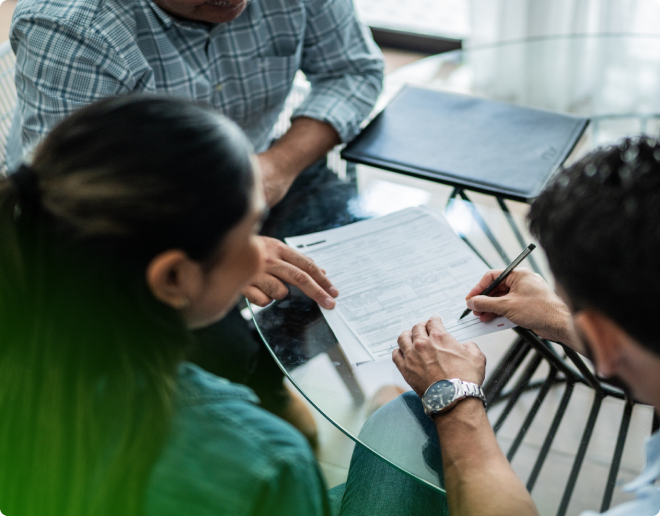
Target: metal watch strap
<point>469,389</point>
<point>432,398</point>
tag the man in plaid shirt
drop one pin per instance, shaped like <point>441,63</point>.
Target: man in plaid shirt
<point>238,56</point>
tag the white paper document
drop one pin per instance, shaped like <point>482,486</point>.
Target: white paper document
<point>393,272</point>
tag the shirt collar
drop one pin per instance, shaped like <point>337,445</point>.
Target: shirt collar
<point>652,470</point>
<point>162,15</point>
<point>169,20</point>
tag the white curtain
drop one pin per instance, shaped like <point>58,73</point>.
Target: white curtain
<point>614,79</point>
<point>501,20</point>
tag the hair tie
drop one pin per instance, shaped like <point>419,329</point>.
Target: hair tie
<point>26,184</point>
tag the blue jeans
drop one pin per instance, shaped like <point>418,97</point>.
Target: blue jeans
<point>374,487</point>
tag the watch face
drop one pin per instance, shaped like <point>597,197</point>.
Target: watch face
<point>439,395</point>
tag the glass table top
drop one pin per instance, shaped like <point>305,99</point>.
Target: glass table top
<point>612,79</point>
<point>297,333</point>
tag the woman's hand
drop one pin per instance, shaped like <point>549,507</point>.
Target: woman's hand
<point>286,265</point>
<point>526,300</point>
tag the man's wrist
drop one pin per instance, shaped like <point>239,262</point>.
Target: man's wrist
<point>442,396</point>
<point>278,164</point>
<point>557,328</point>
<point>306,141</point>
<point>466,411</point>
<point>565,329</point>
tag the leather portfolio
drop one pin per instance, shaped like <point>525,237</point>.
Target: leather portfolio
<point>469,142</point>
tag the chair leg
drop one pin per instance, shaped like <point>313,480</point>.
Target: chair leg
<point>484,227</point>
<point>505,369</point>
<point>518,390</point>
<point>582,451</point>
<point>549,382</point>
<point>540,460</point>
<point>618,452</point>
<point>345,371</point>
<point>516,232</point>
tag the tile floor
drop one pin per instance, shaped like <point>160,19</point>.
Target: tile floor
<point>336,447</point>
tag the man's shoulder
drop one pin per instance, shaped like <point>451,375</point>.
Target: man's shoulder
<point>106,27</point>
<point>81,14</point>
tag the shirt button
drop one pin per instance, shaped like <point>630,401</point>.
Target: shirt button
<point>219,87</point>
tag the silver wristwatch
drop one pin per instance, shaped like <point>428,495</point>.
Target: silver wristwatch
<point>443,395</point>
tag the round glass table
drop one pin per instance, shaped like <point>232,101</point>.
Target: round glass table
<point>615,81</point>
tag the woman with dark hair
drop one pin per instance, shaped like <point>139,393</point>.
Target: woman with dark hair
<point>135,222</point>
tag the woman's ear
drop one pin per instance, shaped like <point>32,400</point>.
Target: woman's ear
<point>174,278</point>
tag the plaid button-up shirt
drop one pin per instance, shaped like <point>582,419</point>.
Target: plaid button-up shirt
<point>70,53</point>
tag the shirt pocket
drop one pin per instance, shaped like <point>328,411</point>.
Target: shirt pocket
<point>253,88</point>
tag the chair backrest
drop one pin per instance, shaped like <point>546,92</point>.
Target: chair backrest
<point>7,99</point>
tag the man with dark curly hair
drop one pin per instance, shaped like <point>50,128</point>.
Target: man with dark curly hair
<point>599,224</point>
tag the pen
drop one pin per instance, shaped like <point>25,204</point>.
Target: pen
<point>504,274</point>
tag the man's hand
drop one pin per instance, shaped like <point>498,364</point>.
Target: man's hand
<point>429,353</point>
<point>478,478</point>
<point>284,264</point>
<point>526,300</point>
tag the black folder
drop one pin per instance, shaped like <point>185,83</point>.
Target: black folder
<point>469,142</point>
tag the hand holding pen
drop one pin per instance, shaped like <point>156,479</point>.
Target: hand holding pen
<point>488,290</point>
<point>526,300</point>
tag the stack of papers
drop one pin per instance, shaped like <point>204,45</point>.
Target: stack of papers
<point>393,272</point>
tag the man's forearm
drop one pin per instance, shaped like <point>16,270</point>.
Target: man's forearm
<point>478,478</point>
<point>306,141</point>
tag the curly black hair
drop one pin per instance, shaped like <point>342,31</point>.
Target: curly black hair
<point>599,223</point>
